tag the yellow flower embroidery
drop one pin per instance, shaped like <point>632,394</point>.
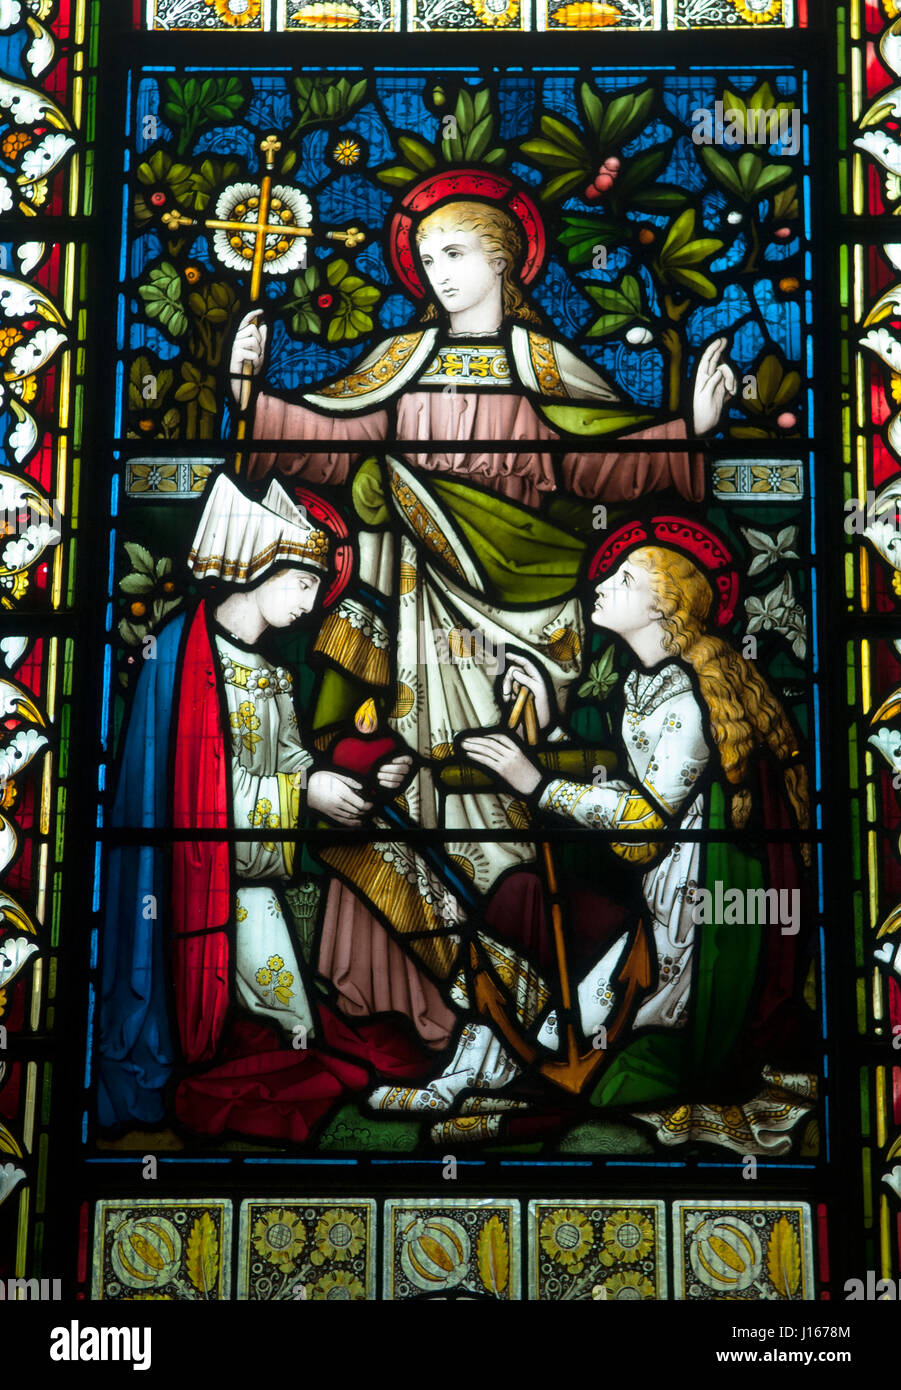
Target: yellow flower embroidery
<point>339,1236</point>
<point>279,1238</point>
<point>566,1236</point>
<point>264,818</point>
<point>759,11</point>
<point>276,981</point>
<point>628,1235</point>
<point>628,1285</point>
<point>238,13</point>
<point>245,722</point>
<point>346,152</point>
<point>240,912</point>
<point>340,1284</point>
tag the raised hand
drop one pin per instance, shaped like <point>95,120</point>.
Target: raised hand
<point>249,346</point>
<point>715,384</point>
<point>337,796</point>
<point>524,673</point>
<point>505,758</point>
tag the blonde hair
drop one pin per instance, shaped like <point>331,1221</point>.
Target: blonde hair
<point>501,239</point>
<point>745,715</point>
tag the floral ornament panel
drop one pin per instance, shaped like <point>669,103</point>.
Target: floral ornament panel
<point>743,1251</point>
<point>300,16</point>
<point>454,1249</point>
<point>235,16</point>
<point>171,1251</point>
<point>598,14</point>
<point>307,1249</point>
<point>40,423</point>
<point>468,15</point>
<point>600,1250</point>
<point>871,177</point>
<point>731,14</point>
<point>45,100</point>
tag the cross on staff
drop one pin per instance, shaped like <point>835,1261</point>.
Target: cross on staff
<point>261,227</point>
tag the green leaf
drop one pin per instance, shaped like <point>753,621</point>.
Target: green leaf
<point>631,292</point>
<point>769,379</point>
<point>592,107</point>
<point>141,558</point>
<point>543,152</point>
<point>579,228</point>
<point>335,271</point>
<point>791,384</point>
<point>481,104</point>
<point>694,280</point>
<point>773,174</point>
<point>695,251</point>
<point>608,323</point>
<point>623,116</point>
<point>397,174</point>
<point>564,135</point>
<point>367,296</point>
<point>419,155</point>
<point>464,111</point>
<point>722,170</point>
<point>136,583</point>
<point>495,156</point>
<point>480,138</point>
<point>785,202</point>
<point>679,234</point>
<point>643,169</point>
<point>606,297</point>
<point>336,329</point>
<point>748,432</point>
<point>207,401</point>
<point>658,199</point>
<point>562,184</point>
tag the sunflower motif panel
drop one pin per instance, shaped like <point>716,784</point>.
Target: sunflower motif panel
<point>599,1250</point>
<point>167,1250</point>
<point>743,1251</point>
<point>728,14</point>
<point>308,1250</point>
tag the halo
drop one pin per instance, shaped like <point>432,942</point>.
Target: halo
<point>329,517</point>
<point>690,538</point>
<point>479,185</point>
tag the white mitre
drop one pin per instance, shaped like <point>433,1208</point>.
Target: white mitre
<point>239,539</point>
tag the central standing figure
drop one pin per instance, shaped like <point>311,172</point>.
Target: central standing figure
<point>458,561</point>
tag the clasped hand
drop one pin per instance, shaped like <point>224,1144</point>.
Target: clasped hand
<point>340,796</point>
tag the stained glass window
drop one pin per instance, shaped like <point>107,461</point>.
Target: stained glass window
<point>421,489</point>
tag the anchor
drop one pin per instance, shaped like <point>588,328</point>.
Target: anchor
<point>634,975</point>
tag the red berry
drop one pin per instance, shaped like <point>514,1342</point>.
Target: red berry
<point>612,165</point>
<point>591,193</point>
<point>29,324</point>
<point>787,420</point>
<point>603,182</point>
<point>324,301</point>
<point>157,199</point>
<point>783,233</point>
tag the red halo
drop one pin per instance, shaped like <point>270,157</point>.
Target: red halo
<point>699,543</point>
<point>333,522</point>
<point>480,185</point>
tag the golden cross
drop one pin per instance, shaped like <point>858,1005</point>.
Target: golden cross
<point>262,227</point>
